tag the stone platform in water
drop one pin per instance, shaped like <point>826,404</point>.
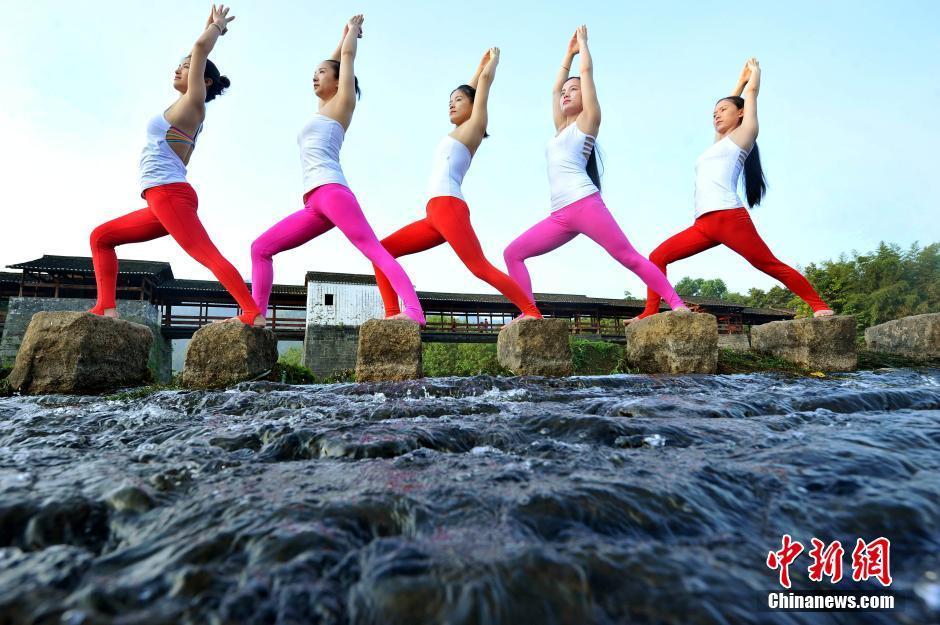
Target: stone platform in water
<point>389,350</point>
<point>822,343</point>
<point>535,347</point>
<point>226,353</point>
<point>673,342</point>
<point>78,352</point>
<point>916,337</point>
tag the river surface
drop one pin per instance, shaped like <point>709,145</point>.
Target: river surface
<point>616,499</point>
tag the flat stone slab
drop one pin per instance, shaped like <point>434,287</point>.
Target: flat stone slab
<point>226,353</point>
<point>677,341</point>
<point>916,337</point>
<point>389,350</point>
<point>78,352</point>
<point>535,347</point>
<point>822,343</point>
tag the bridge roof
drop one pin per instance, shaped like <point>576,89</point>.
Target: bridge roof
<point>211,286</point>
<point>49,263</point>
<point>564,300</point>
<point>7,277</point>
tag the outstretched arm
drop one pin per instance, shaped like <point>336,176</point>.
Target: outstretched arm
<point>216,26</point>
<point>746,134</point>
<point>589,121</point>
<point>560,78</point>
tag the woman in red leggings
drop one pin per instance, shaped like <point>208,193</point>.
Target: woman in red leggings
<point>171,201</point>
<point>448,217</point>
<point>720,216</point>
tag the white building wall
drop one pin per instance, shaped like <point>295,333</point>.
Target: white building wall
<point>353,304</point>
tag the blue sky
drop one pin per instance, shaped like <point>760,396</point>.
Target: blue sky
<point>848,109</point>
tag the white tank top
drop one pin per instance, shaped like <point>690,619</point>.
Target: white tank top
<point>567,155</point>
<point>159,164</point>
<point>717,172</point>
<point>450,165</point>
<point>320,141</point>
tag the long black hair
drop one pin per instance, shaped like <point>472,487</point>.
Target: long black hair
<point>335,65</point>
<point>755,184</point>
<point>593,171</point>
<point>471,93</point>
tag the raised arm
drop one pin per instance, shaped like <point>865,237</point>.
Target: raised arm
<point>476,75</point>
<point>194,100</point>
<point>341,106</point>
<point>338,52</point>
<point>746,134</point>
<point>589,121</point>
<point>742,80</point>
<point>471,132</point>
<point>560,78</point>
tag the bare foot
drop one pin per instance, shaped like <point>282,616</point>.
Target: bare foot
<point>402,317</point>
<point>259,321</point>
<point>824,313</point>
<point>111,312</point>
<point>522,317</point>
<point>627,322</point>
<point>681,308</point>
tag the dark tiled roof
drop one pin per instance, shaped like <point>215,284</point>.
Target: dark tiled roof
<point>82,264</point>
<point>339,278</point>
<point>211,286</point>
<point>10,277</point>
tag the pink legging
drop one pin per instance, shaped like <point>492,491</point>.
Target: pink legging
<point>587,216</point>
<point>324,207</point>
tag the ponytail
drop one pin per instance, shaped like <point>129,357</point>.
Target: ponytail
<point>592,169</point>
<point>755,185</point>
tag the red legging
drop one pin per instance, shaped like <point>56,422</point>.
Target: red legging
<point>171,209</point>
<point>448,221</point>
<point>733,228</point>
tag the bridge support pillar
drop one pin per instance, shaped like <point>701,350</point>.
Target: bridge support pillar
<point>330,351</point>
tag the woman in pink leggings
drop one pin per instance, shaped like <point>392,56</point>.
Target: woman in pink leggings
<point>577,207</point>
<point>328,201</point>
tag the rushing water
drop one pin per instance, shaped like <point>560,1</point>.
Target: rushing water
<point>620,499</point>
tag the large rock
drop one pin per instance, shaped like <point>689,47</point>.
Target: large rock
<point>916,337</point>
<point>225,353</point>
<point>77,352</point>
<point>679,341</point>
<point>822,343</point>
<point>389,349</point>
<point>535,347</point>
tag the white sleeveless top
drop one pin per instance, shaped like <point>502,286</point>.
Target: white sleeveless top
<point>567,155</point>
<point>320,141</point>
<point>450,165</point>
<point>159,164</point>
<point>717,172</point>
